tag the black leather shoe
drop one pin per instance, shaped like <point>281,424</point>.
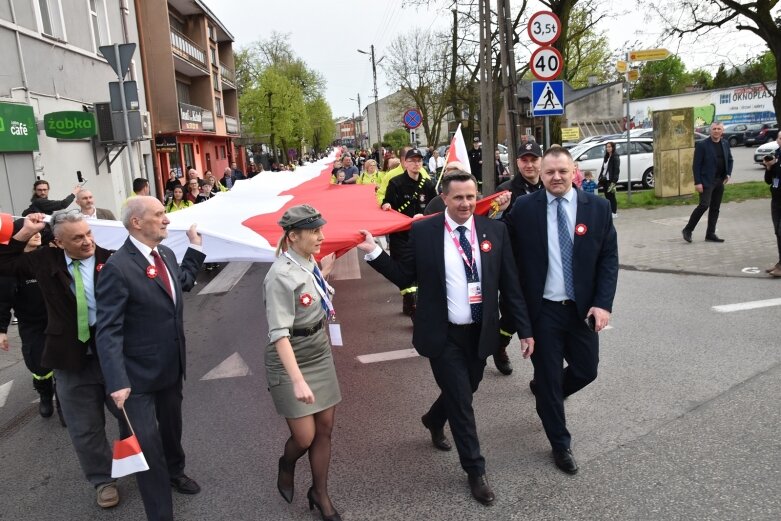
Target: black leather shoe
<point>286,480</point>
<point>713,238</point>
<point>687,235</point>
<point>481,490</point>
<point>565,461</point>
<point>502,361</point>
<point>438,438</point>
<point>185,485</point>
<point>533,386</point>
<point>46,407</point>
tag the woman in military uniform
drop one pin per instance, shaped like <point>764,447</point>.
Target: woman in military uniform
<point>299,366</point>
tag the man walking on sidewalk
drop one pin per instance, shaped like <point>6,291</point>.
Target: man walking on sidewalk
<point>712,169</point>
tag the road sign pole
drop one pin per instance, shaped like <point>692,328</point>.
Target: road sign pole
<point>125,119</point>
<point>628,144</point>
<point>547,132</point>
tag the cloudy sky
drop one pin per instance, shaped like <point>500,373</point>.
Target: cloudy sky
<point>327,35</point>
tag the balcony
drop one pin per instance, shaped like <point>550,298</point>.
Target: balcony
<point>191,58</point>
<point>231,125</point>
<point>228,76</point>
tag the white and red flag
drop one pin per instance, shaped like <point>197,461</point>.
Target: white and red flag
<point>128,458</point>
<point>457,150</point>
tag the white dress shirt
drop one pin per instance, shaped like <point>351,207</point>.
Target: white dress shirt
<point>554,282</point>
<point>146,251</point>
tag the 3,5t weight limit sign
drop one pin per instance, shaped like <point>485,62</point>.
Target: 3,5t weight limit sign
<point>546,63</point>
<point>544,28</point>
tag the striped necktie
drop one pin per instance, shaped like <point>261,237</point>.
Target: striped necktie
<point>565,246</point>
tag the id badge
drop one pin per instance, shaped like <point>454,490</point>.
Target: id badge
<point>335,332</point>
<point>475,293</point>
<point>775,182</point>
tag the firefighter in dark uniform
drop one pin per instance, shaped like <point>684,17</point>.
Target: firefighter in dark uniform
<point>408,193</point>
<point>24,296</point>
<point>526,181</point>
<point>476,161</point>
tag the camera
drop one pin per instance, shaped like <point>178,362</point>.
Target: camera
<point>769,157</point>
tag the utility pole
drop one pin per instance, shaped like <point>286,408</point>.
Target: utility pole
<point>486,100</point>
<point>358,128</point>
<point>376,98</point>
<point>508,82</point>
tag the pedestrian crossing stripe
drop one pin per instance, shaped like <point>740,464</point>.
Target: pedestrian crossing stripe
<point>547,100</point>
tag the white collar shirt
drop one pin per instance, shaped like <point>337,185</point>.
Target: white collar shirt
<point>554,282</point>
<point>146,252</point>
<point>458,308</point>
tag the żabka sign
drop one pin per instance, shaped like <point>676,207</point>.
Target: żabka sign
<point>70,125</point>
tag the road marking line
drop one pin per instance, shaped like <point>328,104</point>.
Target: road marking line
<point>228,277</point>
<point>387,356</point>
<point>743,306</point>
<point>231,367</point>
<point>5,390</point>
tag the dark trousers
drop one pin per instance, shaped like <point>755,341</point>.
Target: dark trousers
<point>559,335</point>
<point>775,214</point>
<point>458,372</point>
<point>611,196</point>
<point>157,421</point>
<point>82,395</point>
<point>710,201</point>
<point>33,342</point>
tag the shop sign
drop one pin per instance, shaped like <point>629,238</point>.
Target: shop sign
<point>191,117</point>
<point>165,144</point>
<point>18,130</point>
<point>70,125</point>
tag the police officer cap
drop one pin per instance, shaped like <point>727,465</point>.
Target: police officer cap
<point>413,152</point>
<point>530,149</point>
<point>301,217</point>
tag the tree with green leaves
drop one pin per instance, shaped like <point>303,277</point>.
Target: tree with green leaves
<point>396,139</point>
<point>661,78</point>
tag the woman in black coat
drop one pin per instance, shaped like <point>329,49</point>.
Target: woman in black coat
<point>608,176</point>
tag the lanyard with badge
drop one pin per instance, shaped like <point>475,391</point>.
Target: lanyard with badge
<point>323,288</point>
<point>473,280</point>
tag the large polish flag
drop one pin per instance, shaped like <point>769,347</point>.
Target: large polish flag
<point>128,458</point>
<point>457,150</point>
<point>241,225</point>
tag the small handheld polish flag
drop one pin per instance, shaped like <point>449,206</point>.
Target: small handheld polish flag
<point>128,458</point>
<point>6,228</point>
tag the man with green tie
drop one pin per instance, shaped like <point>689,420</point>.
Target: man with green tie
<point>67,276</point>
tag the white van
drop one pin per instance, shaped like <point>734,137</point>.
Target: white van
<point>590,156</point>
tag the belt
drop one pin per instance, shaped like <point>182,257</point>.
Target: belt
<point>565,302</point>
<point>463,326</point>
<point>307,331</point>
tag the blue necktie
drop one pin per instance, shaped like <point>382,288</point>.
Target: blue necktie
<point>565,245</point>
<point>477,309</point>
<point>321,282</point>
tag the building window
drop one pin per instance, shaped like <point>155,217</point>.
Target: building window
<point>98,23</point>
<point>49,14</point>
<point>183,92</point>
<point>218,106</point>
<point>215,81</point>
<point>212,33</point>
<point>214,55</point>
<point>222,152</point>
<point>189,157</point>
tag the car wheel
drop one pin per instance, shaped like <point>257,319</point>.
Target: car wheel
<point>648,178</point>
<point>733,141</point>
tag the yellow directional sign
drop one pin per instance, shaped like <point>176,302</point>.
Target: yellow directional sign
<point>621,66</point>
<point>570,134</point>
<point>633,75</point>
<point>648,55</point>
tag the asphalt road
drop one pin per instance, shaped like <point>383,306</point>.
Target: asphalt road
<point>680,424</point>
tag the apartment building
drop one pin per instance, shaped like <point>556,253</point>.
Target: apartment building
<point>51,66</point>
<point>187,55</point>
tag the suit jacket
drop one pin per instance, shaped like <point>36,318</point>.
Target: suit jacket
<point>426,258</point>
<point>140,332</point>
<point>63,349</point>
<point>595,254</point>
<point>704,164</point>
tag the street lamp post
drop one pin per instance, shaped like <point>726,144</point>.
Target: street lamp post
<point>358,128</point>
<point>376,97</point>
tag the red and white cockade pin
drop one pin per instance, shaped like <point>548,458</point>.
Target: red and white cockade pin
<point>485,246</point>
<point>99,267</point>
<point>581,229</point>
<point>306,299</point>
<point>151,271</point>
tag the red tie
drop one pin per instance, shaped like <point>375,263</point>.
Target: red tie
<point>163,273</point>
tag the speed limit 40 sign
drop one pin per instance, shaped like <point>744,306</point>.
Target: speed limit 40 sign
<point>546,63</point>
<point>544,28</point>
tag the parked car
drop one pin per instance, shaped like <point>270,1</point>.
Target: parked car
<point>504,157</point>
<point>590,156</point>
<point>699,136</point>
<point>591,139</point>
<point>735,134</point>
<point>763,150</point>
<point>761,133</point>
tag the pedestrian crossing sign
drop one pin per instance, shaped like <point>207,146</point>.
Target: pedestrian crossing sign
<point>548,98</point>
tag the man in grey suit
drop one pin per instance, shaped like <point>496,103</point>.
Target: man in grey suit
<point>141,345</point>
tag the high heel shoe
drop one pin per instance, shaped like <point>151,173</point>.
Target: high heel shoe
<point>284,468</point>
<point>312,504</point>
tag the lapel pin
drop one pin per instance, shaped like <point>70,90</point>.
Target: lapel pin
<point>99,267</point>
<point>305,299</point>
<point>581,229</point>
<point>151,271</point>
<point>485,246</point>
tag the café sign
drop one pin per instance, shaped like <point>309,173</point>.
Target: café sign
<point>18,129</point>
<point>70,125</point>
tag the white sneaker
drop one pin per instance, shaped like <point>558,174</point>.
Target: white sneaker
<point>615,216</point>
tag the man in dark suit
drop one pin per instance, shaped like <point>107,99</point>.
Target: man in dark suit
<point>712,169</point>
<point>467,262</point>
<point>141,343</point>
<point>86,202</point>
<point>554,231</point>
<point>67,276</point>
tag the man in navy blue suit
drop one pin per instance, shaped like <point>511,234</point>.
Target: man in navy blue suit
<point>553,231</point>
<point>712,169</point>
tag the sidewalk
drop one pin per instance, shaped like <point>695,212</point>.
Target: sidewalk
<point>650,240</point>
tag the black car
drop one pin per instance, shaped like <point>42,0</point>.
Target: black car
<point>735,134</point>
<point>761,133</point>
